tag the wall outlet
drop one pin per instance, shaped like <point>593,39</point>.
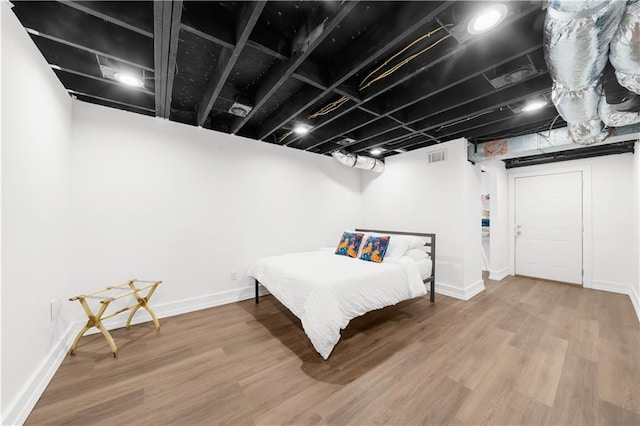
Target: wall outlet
<point>234,275</point>
<point>54,308</point>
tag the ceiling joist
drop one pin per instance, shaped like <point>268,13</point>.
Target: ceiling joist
<point>319,29</point>
<point>166,29</point>
<point>463,65</point>
<point>90,11</point>
<point>368,49</point>
<point>246,20</point>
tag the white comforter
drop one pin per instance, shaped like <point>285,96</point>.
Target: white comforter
<point>326,291</point>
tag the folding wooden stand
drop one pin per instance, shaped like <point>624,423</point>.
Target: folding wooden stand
<point>95,320</point>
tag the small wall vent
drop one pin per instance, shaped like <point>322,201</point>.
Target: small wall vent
<point>437,156</point>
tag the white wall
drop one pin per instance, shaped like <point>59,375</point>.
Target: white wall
<point>36,126</point>
<point>414,196</point>
<point>154,199</point>
<point>608,217</point>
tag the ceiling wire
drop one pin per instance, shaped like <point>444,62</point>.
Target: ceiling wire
<point>328,108</point>
<point>286,135</point>
<point>464,120</point>
<point>405,61</point>
<point>364,84</point>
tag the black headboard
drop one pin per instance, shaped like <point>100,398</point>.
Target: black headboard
<point>430,245</point>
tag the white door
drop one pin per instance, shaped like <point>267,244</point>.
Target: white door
<point>548,221</point>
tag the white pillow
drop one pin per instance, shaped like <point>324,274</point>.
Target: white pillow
<point>417,242</point>
<point>417,254</point>
<point>398,246</point>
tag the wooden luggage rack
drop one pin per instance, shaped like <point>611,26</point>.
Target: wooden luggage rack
<point>122,290</point>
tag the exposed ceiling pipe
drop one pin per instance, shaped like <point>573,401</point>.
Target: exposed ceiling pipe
<point>576,41</point>
<point>359,161</point>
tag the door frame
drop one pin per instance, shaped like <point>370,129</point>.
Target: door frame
<point>587,234</point>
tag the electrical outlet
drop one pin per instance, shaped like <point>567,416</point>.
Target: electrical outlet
<point>234,275</point>
<point>54,308</point>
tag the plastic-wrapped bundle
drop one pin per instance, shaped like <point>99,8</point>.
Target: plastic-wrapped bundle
<point>576,41</point>
<point>625,48</point>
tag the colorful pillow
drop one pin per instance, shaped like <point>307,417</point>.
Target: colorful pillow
<point>349,244</point>
<point>375,248</point>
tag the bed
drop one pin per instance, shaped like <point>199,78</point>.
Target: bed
<point>326,291</point>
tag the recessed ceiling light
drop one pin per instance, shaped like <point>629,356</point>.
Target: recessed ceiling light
<point>534,105</point>
<point>128,79</point>
<point>487,19</point>
<point>301,129</point>
<point>376,151</point>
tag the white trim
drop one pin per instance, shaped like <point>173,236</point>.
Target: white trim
<point>635,300</point>
<point>499,274</point>
<point>611,287</point>
<point>620,288</point>
<point>587,235</point>
<point>21,406</point>
<point>458,293</point>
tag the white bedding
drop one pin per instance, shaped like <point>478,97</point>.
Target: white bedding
<point>326,291</point>
<point>424,266</point>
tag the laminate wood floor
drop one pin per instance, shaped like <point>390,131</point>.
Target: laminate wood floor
<point>523,352</point>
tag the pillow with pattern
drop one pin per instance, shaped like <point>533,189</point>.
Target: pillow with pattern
<point>349,244</point>
<point>375,248</point>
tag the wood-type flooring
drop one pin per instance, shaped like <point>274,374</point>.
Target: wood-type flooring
<point>525,351</point>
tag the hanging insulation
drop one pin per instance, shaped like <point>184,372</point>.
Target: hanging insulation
<point>359,161</point>
<point>615,118</point>
<point>576,42</point>
<point>625,48</point>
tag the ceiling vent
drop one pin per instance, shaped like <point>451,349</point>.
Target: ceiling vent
<point>345,141</point>
<point>239,110</point>
<point>437,156</point>
<point>515,76</point>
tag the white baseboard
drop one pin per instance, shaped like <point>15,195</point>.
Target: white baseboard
<point>460,293</point>
<point>621,288</point>
<point>611,286</point>
<point>635,300</point>
<point>499,274</point>
<point>19,409</point>
<point>28,396</point>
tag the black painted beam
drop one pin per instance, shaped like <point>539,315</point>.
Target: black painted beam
<point>88,49</point>
<point>444,74</point>
<point>166,29</point>
<point>370,47</point>
<point>247,17</point>
<point>283,70</point>
<point>90,11</point>
<point>527,89</point>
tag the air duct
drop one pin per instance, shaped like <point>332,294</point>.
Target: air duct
<point>359,161</point>
<point>576,41</point>
<point>625,48</point>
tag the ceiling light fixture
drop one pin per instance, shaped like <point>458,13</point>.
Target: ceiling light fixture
<point>128,79</point>
<point>534,105</point>
<point>487,19</point>
<point>376,151</point>
<point>301,129</point>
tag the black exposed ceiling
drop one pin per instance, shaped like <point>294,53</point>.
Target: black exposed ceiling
<point>289,60</point>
